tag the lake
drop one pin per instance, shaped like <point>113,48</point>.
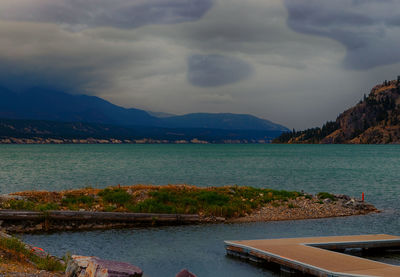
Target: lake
<point>349,169</point>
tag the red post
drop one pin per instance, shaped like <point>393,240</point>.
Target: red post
<point>362,196</point>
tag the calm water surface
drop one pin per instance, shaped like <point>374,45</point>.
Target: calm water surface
<point>350,169</point>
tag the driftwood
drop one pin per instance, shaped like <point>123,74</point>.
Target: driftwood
<point>98,216</point>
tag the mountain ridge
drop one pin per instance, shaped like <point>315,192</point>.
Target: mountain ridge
<point>373,120</point>
<point>45,104</point>
<point>19,131</point>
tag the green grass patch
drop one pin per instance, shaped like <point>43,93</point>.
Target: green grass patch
<point>110,208</point>
<point>70,199</point>
<point>47,207</point>
<point>216,201</point>
<point>12,244</point>
<point>325,195</point>
<point>26,205</point>
<point>229,201</point>
<point>20,205</point>
<point>48,263</point>
<point>115,196</point>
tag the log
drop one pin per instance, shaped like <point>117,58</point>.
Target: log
<point>98,216</point>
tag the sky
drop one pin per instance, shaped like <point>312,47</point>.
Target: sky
<point>295,62</point>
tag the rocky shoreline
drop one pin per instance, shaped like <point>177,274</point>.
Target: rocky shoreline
<point>311,207</point>
<point>19,259</point>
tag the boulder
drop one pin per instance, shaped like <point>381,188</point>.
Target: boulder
<point>82,266</point>
<point>343,196</point>
<point>77,266</point>
<point>350,203</point>
<point>327,201</point>
<point>185,273</point>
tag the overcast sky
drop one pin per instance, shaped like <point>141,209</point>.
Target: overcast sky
<point>295,62</point>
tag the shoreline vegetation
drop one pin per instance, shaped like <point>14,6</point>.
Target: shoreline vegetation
<point>20,259</point>
<point>125,206</point>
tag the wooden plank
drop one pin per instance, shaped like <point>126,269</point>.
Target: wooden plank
<point>302,254</point>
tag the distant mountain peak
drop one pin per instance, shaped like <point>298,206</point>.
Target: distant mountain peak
<point>160,114</point>
<point>222,121</point>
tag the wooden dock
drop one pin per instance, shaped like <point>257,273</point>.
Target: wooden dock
<point>314,256</point>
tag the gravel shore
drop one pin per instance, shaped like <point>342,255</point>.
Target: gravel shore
<point>310,207</point>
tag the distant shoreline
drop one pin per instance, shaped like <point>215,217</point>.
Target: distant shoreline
<point>12,140</point>
<point>18,131</point>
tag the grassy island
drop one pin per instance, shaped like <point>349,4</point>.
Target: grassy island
<point>228,201</point>
<point>208,204</point>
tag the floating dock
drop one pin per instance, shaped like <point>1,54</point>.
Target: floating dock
<point>314,256</point>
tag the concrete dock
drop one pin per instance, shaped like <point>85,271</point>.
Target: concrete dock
<point>314,256</point>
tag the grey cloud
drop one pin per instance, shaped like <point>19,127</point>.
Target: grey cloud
<point>216,70</point>
<point>394,21</point>
<point>38,56</point>
<point>365,27</point>
<point>79,14</point>
<point>17,78</point>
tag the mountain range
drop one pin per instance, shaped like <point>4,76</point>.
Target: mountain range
<point>44,105</point>
<point>375,119</point>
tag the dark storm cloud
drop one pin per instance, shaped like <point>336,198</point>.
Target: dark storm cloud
<point>24,77</point>
<point>117,13</point>
<point>216,70</point>
<point>366,28</point>
<point>34,55</point>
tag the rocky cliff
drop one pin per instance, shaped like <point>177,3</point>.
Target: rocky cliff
<point>374,120</point>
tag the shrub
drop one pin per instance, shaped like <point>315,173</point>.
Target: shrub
<point>81,199</point>
<point>21,205</point>
<point>12,244</point>
<point>48,263</point>
<point>46,207</point>
<point>212,198</point>
<point>110,208</point>
<point>325,195</point>
<point>115,196</point>
<point>152,206</point>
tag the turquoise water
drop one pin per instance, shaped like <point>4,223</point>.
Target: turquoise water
<point>349,169</point>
